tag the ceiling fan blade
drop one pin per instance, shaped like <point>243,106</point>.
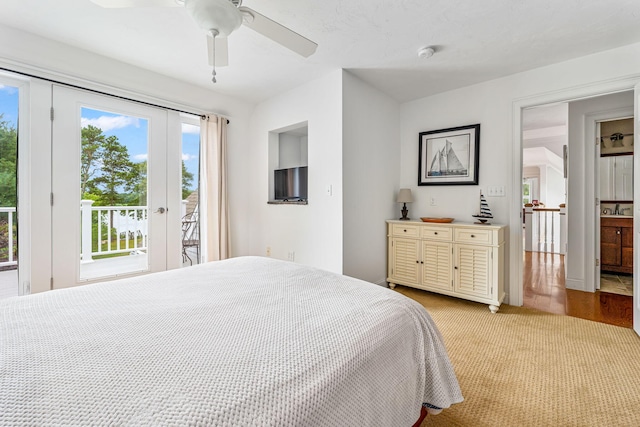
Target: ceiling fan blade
<point>278,33</point>
<point>111,4</point>
<point>222,51</point>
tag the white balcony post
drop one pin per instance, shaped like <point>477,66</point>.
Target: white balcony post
<point>563,229</point>
<point>528,227</point>
<point>86,230</point>
<point>10,232</point>
<point>183,208</point>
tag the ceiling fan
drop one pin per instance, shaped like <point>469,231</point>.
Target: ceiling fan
<point>220,18</point>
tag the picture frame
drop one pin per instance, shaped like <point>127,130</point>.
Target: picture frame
<point>449,156</point>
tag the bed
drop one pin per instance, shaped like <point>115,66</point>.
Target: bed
<point>248,341</point>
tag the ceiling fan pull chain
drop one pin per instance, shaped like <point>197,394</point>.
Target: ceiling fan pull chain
<point>214,33</point>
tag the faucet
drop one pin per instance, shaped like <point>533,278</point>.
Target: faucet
<point>617,209</point>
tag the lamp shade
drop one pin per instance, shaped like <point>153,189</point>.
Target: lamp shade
<point>404,196</point>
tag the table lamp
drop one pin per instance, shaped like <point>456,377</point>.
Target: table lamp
<point>404,196</point>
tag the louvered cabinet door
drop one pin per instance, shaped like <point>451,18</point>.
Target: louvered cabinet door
<point>436,267</point>
<point>405,261</point>
<point>473,270</point>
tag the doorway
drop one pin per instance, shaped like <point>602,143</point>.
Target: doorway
<point>69,146</point>
<point>544,138</point>
<point>580,281</point>
<point>114,210</point>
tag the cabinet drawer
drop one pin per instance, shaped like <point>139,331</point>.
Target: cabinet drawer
<point>474,235</point>
<point>405,230</point>
<point>437,233</point>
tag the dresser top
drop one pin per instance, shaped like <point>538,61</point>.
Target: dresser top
<point>446,224</point>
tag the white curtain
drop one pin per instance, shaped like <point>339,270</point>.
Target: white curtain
<point>214,207</point>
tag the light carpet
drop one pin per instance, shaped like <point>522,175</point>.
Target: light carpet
<point>523,367</point>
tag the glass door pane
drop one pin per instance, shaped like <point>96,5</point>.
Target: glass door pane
<point>190,194</point>
<point>113,189</point>
<point>8,191</point>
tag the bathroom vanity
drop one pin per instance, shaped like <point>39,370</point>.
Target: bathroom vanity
<point>616,243</point>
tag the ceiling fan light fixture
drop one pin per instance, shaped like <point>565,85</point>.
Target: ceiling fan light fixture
<point>221,15</point>
<point>426,52</point>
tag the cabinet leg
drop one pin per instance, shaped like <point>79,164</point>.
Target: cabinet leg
<point>494,308</point>
<point>392,285</point>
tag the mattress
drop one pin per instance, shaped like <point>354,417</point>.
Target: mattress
<point>248,341</point>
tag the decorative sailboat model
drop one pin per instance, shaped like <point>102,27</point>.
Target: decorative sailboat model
<point>485,213</point>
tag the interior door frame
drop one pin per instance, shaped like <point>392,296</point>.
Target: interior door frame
<point>636,211</point>
<point>592,133</point>
<point>598,204</point>
<point>515,296</point>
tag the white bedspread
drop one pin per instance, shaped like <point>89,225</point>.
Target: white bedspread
<point>245,342</point>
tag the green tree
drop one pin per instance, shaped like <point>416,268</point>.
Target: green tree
<point>8,188</point>
<point>187,180</point>
<point>92,141</point>
<point>137,186</point>
<point>108,175</point>
<point>116,172</point>
<point>8,161</point>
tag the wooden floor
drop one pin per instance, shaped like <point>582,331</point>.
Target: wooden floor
<point>544,289</point>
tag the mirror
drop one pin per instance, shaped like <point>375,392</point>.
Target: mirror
<point>616,178</point>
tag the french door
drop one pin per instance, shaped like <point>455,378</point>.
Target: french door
<point>115,188</point>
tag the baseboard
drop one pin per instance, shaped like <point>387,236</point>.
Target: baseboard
<point>382,283</point>
<point>577,285</point>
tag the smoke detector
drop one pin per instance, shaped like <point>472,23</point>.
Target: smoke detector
<point>426,52</point>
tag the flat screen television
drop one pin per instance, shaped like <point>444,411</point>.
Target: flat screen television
<point>290,184</point>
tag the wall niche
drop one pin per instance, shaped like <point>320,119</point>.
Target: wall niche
<point>288,165</point>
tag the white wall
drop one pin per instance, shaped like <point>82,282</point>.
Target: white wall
<point>493,105</point>
<point>292,153</point>
<point>545,165</point>
<point>313,231</point>
<point>371,156</point>
<point>555,187</point>
<point>581,183</point>
<point>353,147</point>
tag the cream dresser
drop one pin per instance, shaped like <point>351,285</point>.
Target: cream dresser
<point>463,260</point>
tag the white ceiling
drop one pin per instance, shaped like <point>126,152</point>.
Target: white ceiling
<point>375,39</point>
<point>544,126</point>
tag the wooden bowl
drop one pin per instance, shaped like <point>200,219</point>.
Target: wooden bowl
<point>441,220</point>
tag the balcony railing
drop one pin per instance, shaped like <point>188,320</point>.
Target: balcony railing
<point>105,231</point>
<point>545,229</point>
<point>8,237</point>
<point>108,230</point>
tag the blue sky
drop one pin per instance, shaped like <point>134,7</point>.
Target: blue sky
<point>130,131</point>
<point>9,104</point>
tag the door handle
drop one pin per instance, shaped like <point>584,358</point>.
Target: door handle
<point>160,210</point>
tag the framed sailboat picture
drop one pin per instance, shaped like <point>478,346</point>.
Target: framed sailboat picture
<point>449,156</point>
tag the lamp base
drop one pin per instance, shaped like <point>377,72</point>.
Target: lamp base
<point>405,211</point>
